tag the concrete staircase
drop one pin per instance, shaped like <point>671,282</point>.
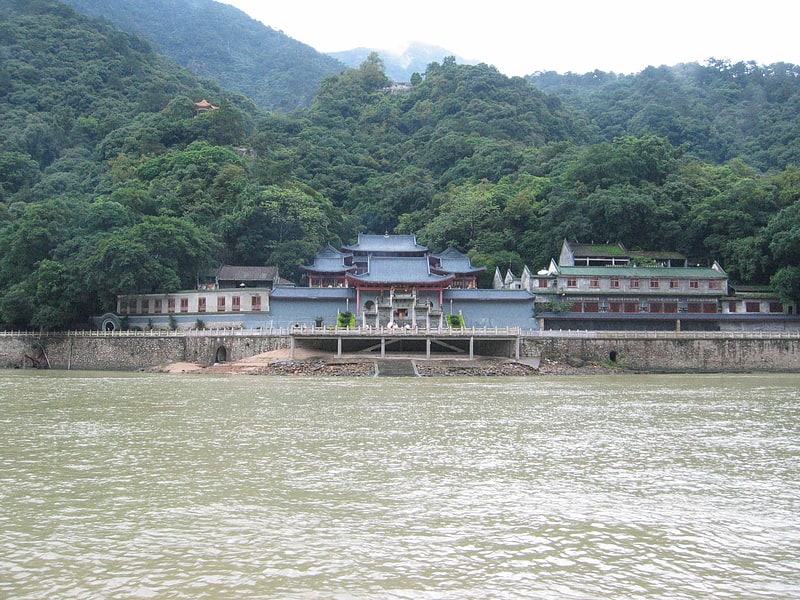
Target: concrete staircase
<point>396,367</point>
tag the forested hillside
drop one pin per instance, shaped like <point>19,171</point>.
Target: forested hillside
<point>110,183</point>
<point>718,110</point>
<point>222,43</point>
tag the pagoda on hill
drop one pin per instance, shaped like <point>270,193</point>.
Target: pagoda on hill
<point>204,106</point>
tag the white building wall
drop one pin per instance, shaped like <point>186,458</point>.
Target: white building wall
<point>191,302</point>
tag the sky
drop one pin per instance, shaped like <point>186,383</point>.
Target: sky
<point>520,37</point>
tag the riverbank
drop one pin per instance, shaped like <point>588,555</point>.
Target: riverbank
<point>544,353</point>
<point>312,363</point>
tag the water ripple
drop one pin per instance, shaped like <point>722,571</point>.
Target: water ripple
<point>145,486</point>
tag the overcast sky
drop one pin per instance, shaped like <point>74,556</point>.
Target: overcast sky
<point>520,37</point>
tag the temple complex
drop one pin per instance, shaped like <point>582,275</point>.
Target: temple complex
<point>397,282</point>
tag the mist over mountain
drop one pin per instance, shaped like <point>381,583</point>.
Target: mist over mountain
<point>400,66</point>
<point>220,42</point>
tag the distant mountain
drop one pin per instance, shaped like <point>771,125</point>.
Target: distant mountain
<point>400,67</point>
<point>220,42</point>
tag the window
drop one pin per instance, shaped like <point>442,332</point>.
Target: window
<point>171,305</point>
<point>201,304</point>
<point>674,284</point>
<point>635,284</point>
<point>184,305</point>
<point>732,306</point>
<point>752,307</point>
<point>157,307</point>
<point>572,282</point>
<point>654,284</point>
<point>614,282</point>
<point>594,282</point>
<point>236,303</point>
<point>775,307</point>
<point>255,303</point>
<point>694,284</point>
<point>146,305</point>
<point>714,284</point>
<point>221,303</point>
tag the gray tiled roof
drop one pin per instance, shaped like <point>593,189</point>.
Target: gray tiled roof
<point>390,269</point>
<point>455,261</point>
<point>236,273</point>
<point>386,243</point>
<point>459,265</point>
<point>328,265</point>
<point>312,293</point>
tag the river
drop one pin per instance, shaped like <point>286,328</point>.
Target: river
<point>118,485</point>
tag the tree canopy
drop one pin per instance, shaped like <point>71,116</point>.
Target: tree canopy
<point>111,183</point>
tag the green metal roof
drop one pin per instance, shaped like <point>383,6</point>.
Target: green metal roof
<point>580,250</point>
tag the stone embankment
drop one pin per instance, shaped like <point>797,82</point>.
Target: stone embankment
<point>544,352</point>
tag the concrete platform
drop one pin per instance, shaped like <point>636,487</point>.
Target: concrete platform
<point>396,367</point>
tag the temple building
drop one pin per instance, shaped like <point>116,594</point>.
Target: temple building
<point>384,280</point>
<point>397,282</point>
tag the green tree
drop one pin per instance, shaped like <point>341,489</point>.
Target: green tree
<point>468,219</point>
<point>17,171</point>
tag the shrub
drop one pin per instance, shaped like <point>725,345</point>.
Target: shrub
<point>455,321</point>
<point>346,319</point>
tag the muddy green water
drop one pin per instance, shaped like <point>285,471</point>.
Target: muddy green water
<point>163,486</point>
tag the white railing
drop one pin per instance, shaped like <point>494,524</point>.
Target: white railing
<point>416,331</point>
<point>406,331</point>
<point>269,332</point>
<point>279,332</point>
<point>665,335</point>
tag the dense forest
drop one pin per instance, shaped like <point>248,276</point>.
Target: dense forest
<point>718,110</point>
<point>111,183</point>
<point>220,42</point>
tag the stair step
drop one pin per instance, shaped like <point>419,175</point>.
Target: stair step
<point>396,368</point>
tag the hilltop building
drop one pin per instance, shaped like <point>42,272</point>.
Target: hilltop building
<point>204,106</point>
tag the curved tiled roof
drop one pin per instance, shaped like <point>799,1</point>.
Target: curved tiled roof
<point>386,243</point>
<point>454,261</point>
<point>330,260</point>
<point>400,270</point>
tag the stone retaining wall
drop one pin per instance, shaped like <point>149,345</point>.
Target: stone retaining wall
<point>683,354</point>
<point>130,353</point>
